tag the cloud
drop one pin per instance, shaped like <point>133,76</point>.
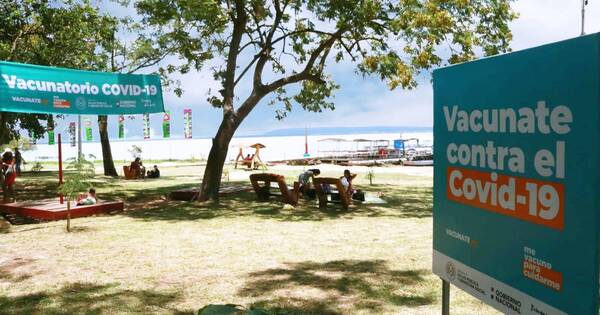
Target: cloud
<point>546,21</point>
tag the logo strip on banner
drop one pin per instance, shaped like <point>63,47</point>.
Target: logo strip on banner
<point>495,293</point>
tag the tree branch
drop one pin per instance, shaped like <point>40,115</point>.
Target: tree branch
<point>266,50</point>
<point>259,92</point>
<point>306,73</point>
<point>239,26</point>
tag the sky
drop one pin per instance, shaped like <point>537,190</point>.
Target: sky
<point>362,101</point>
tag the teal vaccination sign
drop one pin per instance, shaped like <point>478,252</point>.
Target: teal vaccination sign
<point>517,175</point>
<point>37,89</point>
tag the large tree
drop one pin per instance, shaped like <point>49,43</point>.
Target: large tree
<point>270,45</point>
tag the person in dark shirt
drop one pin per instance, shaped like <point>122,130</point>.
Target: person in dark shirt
<point>18,160</point>
<point>154,172</point>
<point>9,175</point>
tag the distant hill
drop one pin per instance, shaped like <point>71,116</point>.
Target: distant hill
<point>343,131</point>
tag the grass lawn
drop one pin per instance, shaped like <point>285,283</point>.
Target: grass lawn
<point>167,257</point>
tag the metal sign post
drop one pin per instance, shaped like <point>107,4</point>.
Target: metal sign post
<point>60,167</point>
<point>583,4</point>
<point>445,297</point>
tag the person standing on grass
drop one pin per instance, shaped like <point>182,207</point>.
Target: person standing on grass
<point>18,161</point>
<point>9,175</point>
<point>305,178</point>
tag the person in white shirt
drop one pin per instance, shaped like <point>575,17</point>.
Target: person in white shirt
<point>87,199</point>
<point>347,182</point>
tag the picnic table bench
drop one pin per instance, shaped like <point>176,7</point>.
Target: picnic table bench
<point>321,182</point>
<point>261,183</point>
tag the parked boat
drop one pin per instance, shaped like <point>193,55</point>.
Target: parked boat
<point>419,160</point>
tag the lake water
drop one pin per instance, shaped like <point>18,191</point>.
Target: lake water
<point>277,148</point>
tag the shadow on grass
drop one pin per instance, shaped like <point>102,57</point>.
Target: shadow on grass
<point>4,225</point>
<point>402,202</point>
<point>10,271</point>
<point>88,298</point>
<point>336,287</point>
<point>147,200</point>
<point>36,186</point>
<point>243,204</point>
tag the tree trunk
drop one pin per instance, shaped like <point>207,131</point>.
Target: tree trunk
<point>3,129</point>
<point>107,159</point>
<point>211,181</point>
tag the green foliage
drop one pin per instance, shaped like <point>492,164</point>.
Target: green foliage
<point>284,49</point>
<point>296,40</point>
<point>23,143</point>
<point>78,176</point>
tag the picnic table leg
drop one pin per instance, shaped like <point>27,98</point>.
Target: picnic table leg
<point>322,196</point>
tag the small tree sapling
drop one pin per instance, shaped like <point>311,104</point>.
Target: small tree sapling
<point>78,179</point>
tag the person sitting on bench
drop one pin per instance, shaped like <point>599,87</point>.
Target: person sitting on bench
<point>87,199</point>
<point>305,178</point>
<point>137,168</point>
<point>154,172</point>
<point>347,183</point>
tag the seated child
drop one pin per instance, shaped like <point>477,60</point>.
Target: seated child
<point>154,172</point>
<point>87,199</point>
